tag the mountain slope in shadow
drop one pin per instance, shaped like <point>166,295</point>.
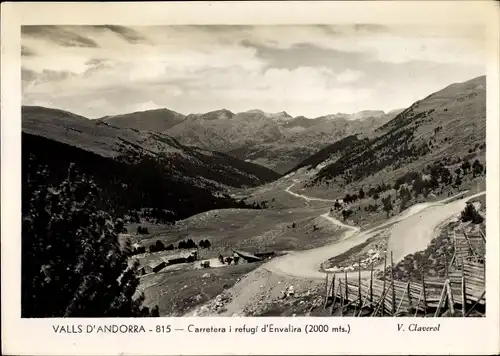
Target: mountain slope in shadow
<point>135,169</point>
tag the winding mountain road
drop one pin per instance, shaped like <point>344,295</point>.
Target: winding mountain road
<point>411,231</point>
<point>306,198</point>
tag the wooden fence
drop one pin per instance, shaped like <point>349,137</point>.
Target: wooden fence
<point>460,292</point>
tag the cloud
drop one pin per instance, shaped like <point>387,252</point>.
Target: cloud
<point>306,70</point>
<point>59,35</point>
<point>349,76</point>
<point>129,35</point>
<point>25,51</point>
<point>150,105</point>
<point>397,45</point>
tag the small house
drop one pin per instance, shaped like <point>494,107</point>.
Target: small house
<point>264,255</point>
<point>247,256</point>
<point>159,266</point>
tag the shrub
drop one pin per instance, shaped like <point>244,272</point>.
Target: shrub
<point>387,204</point>
<point>204,244</point>
<point>477,168</point>
<point>346,213</point>
<point>405,196</point>
<point>159,246</point>
<point>470,214</point>
<point>465,166</point>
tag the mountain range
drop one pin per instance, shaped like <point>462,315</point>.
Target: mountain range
<point>187,164</point>
<point>445,128</point>
<point>136,168</point>
<point>274,140</point>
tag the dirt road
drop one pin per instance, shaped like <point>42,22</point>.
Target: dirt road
<point>306,198</point>
<point>410,231</point>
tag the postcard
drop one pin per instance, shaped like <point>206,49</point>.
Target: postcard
<point>201,178</point>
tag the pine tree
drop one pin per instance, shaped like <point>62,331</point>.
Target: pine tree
<point>72,262</point>
<point>477,168</point>
<point>470,214</point>
<point>458,181</point>
<point>446,177</point>
<point>465,166</point>
<point>387,204</point>
<point>405,196</point>
<point>159,245</point>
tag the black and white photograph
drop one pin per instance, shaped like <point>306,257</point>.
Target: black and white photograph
<point>225,170</point>
<point>259,177</point>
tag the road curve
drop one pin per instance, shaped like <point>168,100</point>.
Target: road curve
<point>411,231</point>
<point>305,197</point>
<point>408,234</point>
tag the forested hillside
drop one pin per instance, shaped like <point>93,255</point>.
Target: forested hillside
<point>136,170</point>
<point>449,125</point>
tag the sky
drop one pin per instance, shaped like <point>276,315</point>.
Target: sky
<point>304,70</point>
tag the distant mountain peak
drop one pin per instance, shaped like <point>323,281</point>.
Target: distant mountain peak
<point>217,115</point>
<point>147,120</point>
<point>363,114</point>
<point>395,111</point>
<point>255,111</point>
<point>284,113</point>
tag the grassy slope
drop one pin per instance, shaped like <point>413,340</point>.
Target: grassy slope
<point>131,145</point>
<point>178,292</point>
<point>410,143</point>
<point>151,120</point>
<point>252,230</point>
<point>302,138</point>
<point>410,138</point>
<point>124,186</point>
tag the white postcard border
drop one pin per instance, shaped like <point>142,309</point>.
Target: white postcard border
<point>367,335</point>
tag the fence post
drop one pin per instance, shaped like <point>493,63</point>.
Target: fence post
<point>383,288</point>
<point>371,284</point>
<point>450,297</point>
<point>334,295</point>
<point>410,307</point>
<point>393,291</point>
<point>445,266</point>
<point>464,293</point>
<point>441,300</point>
<point>334,298</point>
<point>423,291</point>
<point>326,290</point>
<point>341,298</point>
<point>359,281</point>
<point>346,289</point>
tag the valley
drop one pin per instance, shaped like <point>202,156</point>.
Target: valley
<point>211,224</point>
<point>277,141</point>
